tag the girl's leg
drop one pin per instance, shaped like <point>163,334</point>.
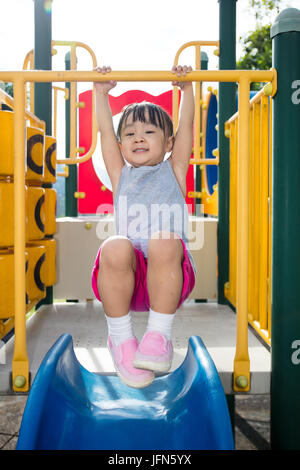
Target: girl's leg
<point>116,277</point>
<point>164,274</point>
<point>117,265</point>
<point>164,282</point>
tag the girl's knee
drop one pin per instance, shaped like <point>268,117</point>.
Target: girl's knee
<point>117,252</point>
<point>165,248</point>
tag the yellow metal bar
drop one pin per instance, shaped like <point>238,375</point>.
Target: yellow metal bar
<point>6,326</point>
<point>268,90</point>
<point>251,273</point>
<point>73,109</point>
<point>256,218</point>
<point>197,45</point>
<point>66,92</point>
<point>138,76</point>
<point>29,61</point>
<point>77,44</point>
<point>270,223</point>
<point>264,179</point>
<point>241,360</point>
<point>233,211</point>
<point>204,161</point>
<point>194,43</point>
<point>32,118</point>
<point>197,107</point>
<point>20,364</point>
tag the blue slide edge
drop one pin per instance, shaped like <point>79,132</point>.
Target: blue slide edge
<point>69,407</point>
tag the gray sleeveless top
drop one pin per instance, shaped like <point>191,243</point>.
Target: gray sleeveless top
<point>148,200</point>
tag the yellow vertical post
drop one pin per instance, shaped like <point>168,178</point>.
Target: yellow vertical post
<point>251,273</point>
<point>31,85</point>
<point>270,224</point>
<point>20,365</point>
<point>175,106</point>
<point>73,108</point>
<point>241,379</point>
<point>256,216</point>
<point>197,106</point>
<point>232,211</point>
<point>264,177</point>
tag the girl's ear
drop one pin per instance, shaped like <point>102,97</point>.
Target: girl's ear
<point>170,143</point>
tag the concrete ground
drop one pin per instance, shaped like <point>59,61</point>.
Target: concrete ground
<point>252,421</point>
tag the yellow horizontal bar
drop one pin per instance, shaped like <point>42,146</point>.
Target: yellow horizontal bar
<point>204,161</point>
<point>137,76</point>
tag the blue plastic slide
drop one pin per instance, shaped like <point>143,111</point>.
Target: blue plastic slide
<point>69,407</point>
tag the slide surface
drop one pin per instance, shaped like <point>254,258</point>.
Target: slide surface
<point>69,407</point>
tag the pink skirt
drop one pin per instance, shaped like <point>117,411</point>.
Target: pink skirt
<point>140,298</point>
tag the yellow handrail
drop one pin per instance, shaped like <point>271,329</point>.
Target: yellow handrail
<point>32,118</point>
<point>198,96</point>
<point>19,78</point>
<point>66,93</point>
<point>259,247</point>
<point>29,59</point>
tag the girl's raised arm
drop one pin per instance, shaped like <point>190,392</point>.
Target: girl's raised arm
<point>111,152</point>
<point>183,142</point>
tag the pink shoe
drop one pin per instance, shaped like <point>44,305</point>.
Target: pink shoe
<point>122,356</point>
<point>155,352</point>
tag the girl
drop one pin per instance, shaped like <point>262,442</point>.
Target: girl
<point>147,265</point>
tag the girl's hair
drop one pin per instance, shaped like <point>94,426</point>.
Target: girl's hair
<point>155,115</point>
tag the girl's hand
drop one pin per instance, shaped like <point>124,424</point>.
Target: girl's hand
<point>104,87</point>
<point>181,71</point>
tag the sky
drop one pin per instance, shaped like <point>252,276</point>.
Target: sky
<point>127,35</point>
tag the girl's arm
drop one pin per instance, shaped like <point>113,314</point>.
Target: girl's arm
<point>111,152</point>
<point>183,142</point>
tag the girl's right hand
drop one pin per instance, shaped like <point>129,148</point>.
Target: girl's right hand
<point>104,87</point>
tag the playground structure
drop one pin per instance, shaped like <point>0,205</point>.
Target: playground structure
<point>240,284</point>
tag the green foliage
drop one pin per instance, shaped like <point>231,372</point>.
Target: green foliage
<point>257,45</point>
<point>257,50</point>
<point>262,8</point>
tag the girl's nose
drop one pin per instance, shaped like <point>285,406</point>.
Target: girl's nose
<point>139,138</point>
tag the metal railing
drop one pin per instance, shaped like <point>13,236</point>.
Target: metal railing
<point>260,211</point>
<point>72,95</point>
<point>20,363</point>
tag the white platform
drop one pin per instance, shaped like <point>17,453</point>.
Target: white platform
<point>215,324</point>
<point>78,240</point>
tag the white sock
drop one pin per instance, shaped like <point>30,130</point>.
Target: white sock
<point>119,329</point>
<point>161,322</point>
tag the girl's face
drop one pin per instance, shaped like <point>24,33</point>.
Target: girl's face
<point>143,143</point>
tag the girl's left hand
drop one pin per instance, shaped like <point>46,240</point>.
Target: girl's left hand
<point>181,71</point>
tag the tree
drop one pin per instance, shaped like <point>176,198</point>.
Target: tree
<point>257,44</point>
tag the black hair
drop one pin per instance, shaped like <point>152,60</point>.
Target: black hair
<point>156,116</point>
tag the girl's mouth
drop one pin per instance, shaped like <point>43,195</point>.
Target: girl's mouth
<point>140,150</point>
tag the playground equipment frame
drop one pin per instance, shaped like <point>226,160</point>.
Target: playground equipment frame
<point>20,363</point>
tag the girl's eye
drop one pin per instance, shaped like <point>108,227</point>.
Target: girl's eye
<point>149,132</point>
<point>129,134</point>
